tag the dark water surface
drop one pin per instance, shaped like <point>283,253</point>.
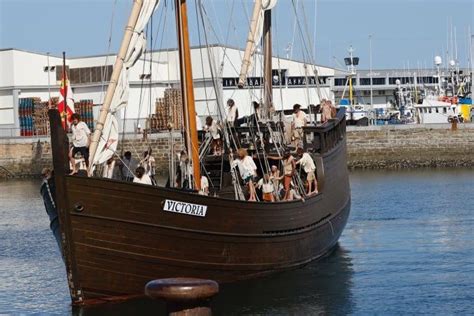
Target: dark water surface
<point>408,249</point>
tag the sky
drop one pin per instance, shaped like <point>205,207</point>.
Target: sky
<point>403,33</point>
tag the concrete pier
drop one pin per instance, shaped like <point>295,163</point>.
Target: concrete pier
<point>372,147</point>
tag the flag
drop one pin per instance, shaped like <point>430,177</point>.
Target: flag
<point>66,109</point>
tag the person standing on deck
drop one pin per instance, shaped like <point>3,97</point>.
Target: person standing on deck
<point>327,111</point>
<point>109,166</point>
<point>299,121</point>
<point>141,176</point>
<point>129,164</point>
<point>232,113</point>
<point>204,186</point>
<point>268,189</point>
<point>275,176</point>
<point>148,162</point>
<point>214,131</point>
<point>80,140</point>
<point>184,173</point>
<point>309,167</point>
<point>248,171</point>
<point>289,169</point>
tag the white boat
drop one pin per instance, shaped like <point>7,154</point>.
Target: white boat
<point>435,111</point>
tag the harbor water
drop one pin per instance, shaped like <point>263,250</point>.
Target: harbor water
<point>408,248</point>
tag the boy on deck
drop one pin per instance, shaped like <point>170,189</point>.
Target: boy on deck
<point>309,167</point>
<point>80,141</point>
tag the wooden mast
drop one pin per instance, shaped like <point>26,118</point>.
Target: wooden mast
<point>132,21</point>
<point>250,43</point>
<point>267,61</point>
<point>187,89</point>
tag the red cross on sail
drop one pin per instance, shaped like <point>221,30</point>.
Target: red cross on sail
<point>66,108</point>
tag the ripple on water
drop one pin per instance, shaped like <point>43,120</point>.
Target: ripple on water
<point>407,248</point>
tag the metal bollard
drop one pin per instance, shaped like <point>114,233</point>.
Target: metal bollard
<point>184,296</point>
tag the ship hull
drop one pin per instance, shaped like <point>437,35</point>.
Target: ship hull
<point>118,236</point>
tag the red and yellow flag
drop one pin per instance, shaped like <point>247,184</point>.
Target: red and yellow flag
<point>66,109</point>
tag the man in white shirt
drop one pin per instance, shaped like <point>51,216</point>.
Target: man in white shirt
<point>232,113</point>
<point>80,140</point>
<point>148,162</point>
<point>309,167</point>
<point>141,177</point>
<point>248,171</point>
<point>299,121</point>
<point>268,190</point>
<point>204,186</point>
<point>214,130</point>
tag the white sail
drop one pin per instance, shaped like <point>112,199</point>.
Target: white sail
<point>120,98</point>
<point>109,140</point>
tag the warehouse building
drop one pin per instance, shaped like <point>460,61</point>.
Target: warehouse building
<point>37,75</point>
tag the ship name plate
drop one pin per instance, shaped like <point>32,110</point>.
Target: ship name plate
<point>185,208</point>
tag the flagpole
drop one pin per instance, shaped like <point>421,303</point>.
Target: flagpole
<point>64,114</point>
<point>49,83</point>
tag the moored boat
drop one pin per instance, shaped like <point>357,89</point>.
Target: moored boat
<point>117,236</point>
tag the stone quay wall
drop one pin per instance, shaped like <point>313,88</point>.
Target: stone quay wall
<point>373,147</point>
<point>25,157</point>
<point>410,146</point>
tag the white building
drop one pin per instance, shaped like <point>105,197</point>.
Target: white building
<point>26,74</point>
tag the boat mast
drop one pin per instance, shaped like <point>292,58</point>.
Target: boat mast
<point>187,89</point>
<point>250,43</point>
<point>267,61</point>
<point>132,21</point>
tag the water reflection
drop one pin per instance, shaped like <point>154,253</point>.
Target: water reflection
<point>322,287</point>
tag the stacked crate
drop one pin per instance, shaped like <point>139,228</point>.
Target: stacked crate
<point>25,114</point>
<point>40,118</point>
<point>173,102</point>
<point>168,110</point>
<point>160,119</point>
<point>85,109</point>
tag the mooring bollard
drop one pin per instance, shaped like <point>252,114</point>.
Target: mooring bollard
<point>184,296</point>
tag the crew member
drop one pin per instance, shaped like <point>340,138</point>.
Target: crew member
<point>80,140</point>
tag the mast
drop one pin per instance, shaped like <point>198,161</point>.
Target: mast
<point>267,60</point>
<point>370,71</point>
<point>250,43</point>
<point>132,21</point>
<point>187,89</point>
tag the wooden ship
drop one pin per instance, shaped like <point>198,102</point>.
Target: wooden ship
<point>117,236</point>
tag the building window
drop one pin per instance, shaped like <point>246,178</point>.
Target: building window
<point>375,81</point>
<point>445,110</point>
<point>403,80</point>
<point>343,81</point>
<point>437,111</point>
<point>427,79</point>
<point>86,75</point>
<point>378,81</point>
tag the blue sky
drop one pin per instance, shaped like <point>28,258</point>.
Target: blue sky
<point>405,33</point>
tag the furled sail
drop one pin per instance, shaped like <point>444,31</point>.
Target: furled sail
<point>109,138</point>
<point>255,36</point>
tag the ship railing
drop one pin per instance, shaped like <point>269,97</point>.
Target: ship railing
<point>324,137</point>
